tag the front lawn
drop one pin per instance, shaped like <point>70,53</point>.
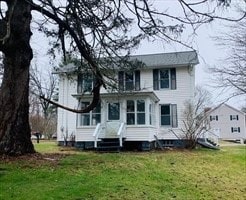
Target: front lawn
<point>60,173</point>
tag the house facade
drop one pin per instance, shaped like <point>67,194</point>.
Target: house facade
<point>147,106</point>
<point>227,122</point>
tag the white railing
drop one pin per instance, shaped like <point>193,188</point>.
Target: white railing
<point>211,136</point>
<point>96,134</point>
<point>120,133</point>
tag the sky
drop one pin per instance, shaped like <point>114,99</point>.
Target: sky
<point>209,54</point>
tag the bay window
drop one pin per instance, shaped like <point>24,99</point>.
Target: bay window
<point>135,112</point>
<point>92,118</point>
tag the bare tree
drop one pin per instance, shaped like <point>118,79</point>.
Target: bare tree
<point>42,113</point>
<point>43,85</point>
<point>231,74</point>
<point>93,29</point>
<point>194,117</point>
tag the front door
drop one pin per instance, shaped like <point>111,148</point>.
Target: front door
<point>113,122</point>
<point>114,111</point>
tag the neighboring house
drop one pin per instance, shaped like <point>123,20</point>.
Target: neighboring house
<point>227,122</point>
<point>147,106</point>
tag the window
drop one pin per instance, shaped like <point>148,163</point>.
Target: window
<point>114,111</point>
<point>235,129</point>
<point>92,118</point>
<point>169,115</point>
<point>129,80</point>
<point>151,114</point>
<point>135,112</point>
<point>85,83</point>
<point>140,112</point>
<point>164,79</point>
<point>233,117</point>
<point>214,117</point>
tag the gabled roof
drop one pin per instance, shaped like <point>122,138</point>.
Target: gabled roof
<point>224,104</point>
<point>168,59</point>
<point>173,59</point>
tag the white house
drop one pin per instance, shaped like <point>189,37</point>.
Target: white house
<point>147,107</point>
<point>227,122</point>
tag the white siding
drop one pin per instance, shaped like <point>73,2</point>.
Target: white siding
<point>66,119</point>
<point>224,123</point>
<point>140,133</point>
<point>184,91</point>
<point>85,134</point>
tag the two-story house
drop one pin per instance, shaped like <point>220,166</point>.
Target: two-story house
<point>147,105</point>
<point>227,122</point>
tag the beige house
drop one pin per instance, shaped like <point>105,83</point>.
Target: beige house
<point>227,122</point>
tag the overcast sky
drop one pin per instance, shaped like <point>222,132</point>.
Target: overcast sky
<point>210,54</point>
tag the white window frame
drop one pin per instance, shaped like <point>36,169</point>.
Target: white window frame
<point>234,117</point>
<point>108,111</point>
<point>84,80</point>
<point>214,118</point>
<point>169,79</point>
<point>136,112</point>
<point>90,114</point>
<point>235,129</point>
<point>171,116</point>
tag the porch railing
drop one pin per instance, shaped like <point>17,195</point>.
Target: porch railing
<point>120,133</point>
<point>211,136</point>
<point>96,134</point>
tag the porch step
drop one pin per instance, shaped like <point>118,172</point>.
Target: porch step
<point>109,145</point>
<point>208,144</point>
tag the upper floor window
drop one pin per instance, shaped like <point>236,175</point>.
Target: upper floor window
<point>129,80</point>
<point>92,118</point>
<point>164,79</point>
<point>233,117</point>
<point>214,117</point>
<point>169,115</point>
<point>235,129</point>
<point>85,82</point>
<point>135,112</point>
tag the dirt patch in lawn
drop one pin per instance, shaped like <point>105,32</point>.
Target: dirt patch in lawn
<point>34,160</point>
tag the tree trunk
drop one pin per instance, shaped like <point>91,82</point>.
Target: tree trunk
<point>15,133</point>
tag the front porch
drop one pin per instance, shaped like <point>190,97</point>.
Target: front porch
<point>116,136</point>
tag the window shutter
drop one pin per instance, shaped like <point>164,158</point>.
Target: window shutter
<point>173,79</point>
<point>232,129</point>
<point>230,117</point>
<point>121,80</point>
<point>210,118</point>
<point>216,117</point>
<point>238,129</point>
<point>237,117</point>
<point>137,80</point>
<point>80,84</point>
<point>174,115</point>
<point>156,79</point>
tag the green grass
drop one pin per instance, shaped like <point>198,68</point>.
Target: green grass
<point>185,175</point>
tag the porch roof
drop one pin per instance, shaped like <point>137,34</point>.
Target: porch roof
<point>121,95</point>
